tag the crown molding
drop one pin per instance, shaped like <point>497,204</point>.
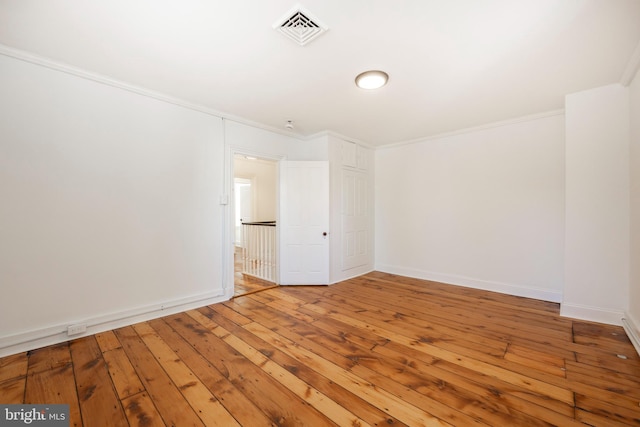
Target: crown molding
<point>491,125</point>
<point>102,79</point>
<point>330,133</point>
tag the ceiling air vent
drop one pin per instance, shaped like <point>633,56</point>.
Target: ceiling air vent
<point>300,26</point>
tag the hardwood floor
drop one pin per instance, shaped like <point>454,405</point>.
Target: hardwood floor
<point>374,350</point>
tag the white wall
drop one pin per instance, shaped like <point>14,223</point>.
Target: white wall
<point>483,208</point>
<point>264,176</point>
<point>634,282</point>
<point>597,204</point>
<point>264,143</point>
<point>109,205</point>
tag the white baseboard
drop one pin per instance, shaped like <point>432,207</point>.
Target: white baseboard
<point>632,328</point>
<point>592,314</point>
<point>31,340</point>
<point>470,282</point>
<point>351,273</point>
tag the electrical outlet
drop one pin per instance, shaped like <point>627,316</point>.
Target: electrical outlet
<point>76,329</point>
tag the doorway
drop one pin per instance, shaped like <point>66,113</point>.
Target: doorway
<point>255,188</point>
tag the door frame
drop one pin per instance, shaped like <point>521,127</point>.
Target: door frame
<point>229,239</point>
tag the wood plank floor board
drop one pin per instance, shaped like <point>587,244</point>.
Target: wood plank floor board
<point>492,399</point>
<point>367,325</point>
<point>47,358</point>
<point>438,406</point>
<point>497,306</point>
<point>612,362</point>
<point>486,364</point>
<point>411,335</point>
<point>318,354</point>
<point>141,412</point>
<point>360,408</point>
<point>465,323</point>
<point>174,409</point>
<point>615,398</point>
<point>561,384</point>
<point>306,329</point>
<point>349,334</point>
<point>237,403</point>
<point>378,350</point>
<point>326,341</point>
<point>334,411</point>
<point>597,334</point>
<point>14,366</point>
<point>491,387</point>
<point>423,329</point>
<point>13,378</point>
<point>537,359</point>
<point>284,306</point>
<point>200,398</point>
<point>531,338</point>
<point>393,310</point>
<point>598,420</point>
<point>13,390</point>
<point>607,410</point>
<point>279,403</point>
<point>339,344</point>
<point>511,301</point>
<point>604,379</point>
<point>439,305</point>
<point>231,314</point>
<point>465,392</point>
<point>492,303</point>
<point>96,392</point>
<point>123,374</point>
<point>50,379</point>
<point>381,398</point>
<point>108,341</point>
<point>295,330</point>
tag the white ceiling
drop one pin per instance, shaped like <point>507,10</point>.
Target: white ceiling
<point>452,63</point>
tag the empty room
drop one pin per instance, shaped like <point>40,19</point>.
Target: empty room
<point>341,213</point>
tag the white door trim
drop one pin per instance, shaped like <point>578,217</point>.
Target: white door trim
<point>230,218</point>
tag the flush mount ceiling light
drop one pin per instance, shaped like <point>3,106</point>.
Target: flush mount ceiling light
<point>373,79</point>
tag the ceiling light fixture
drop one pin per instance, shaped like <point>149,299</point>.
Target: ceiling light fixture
<point>373,79</point>
<point>289,125</point>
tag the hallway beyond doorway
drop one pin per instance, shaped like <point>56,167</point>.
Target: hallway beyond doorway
<point>245,284</point>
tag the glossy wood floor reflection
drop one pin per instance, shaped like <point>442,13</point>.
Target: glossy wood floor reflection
<point>375,350</point>
<point>244,284</point>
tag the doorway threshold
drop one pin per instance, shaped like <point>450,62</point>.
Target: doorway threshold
<point>253,291</point>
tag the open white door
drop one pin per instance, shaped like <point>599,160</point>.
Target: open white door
<point>304,219</point>
<point>243,207</point>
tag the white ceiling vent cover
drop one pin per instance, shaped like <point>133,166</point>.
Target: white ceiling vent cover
<point>300,25</point>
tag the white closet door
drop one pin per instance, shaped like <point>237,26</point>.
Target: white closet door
<point>355,219</point>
